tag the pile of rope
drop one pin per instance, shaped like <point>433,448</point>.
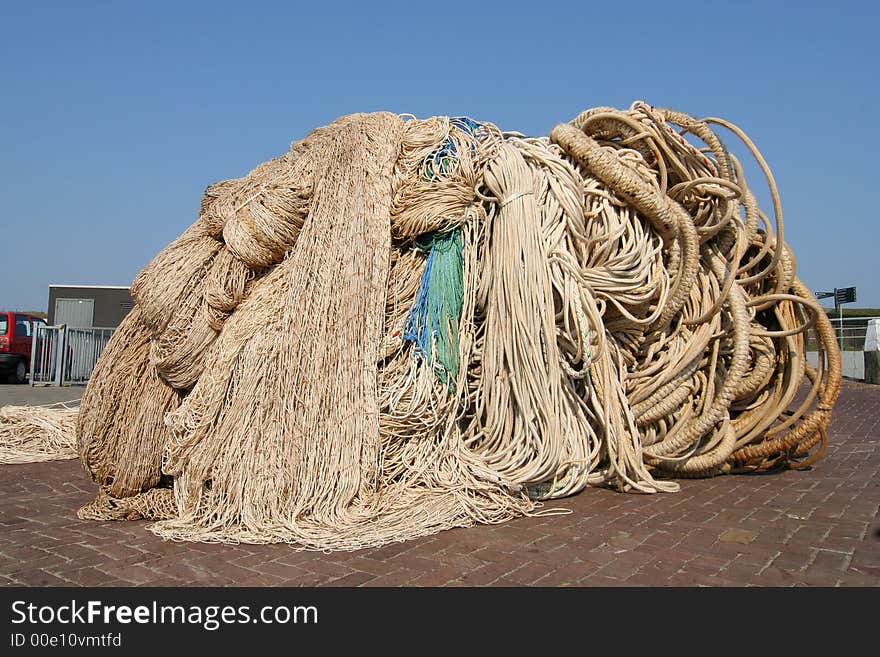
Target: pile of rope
<point>402,326</point>
<point>30,434</point>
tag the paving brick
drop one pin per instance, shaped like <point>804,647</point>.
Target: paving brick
<point>352,579</point>
<point>793,559</point>
<point>400,577</point>
<point>741,571</point>
<point>529,573</point>
<point>89,576</point>
<point>299,579</point>
<point>373,566</point>
<point>867,557</point>
<point>855,578</point>
<point>705,566</point>
<point>328,568</point>
<point>389,551</point>
<point>830,561</point>
<point>504,582</point>
<point>282,570</point>
<point>438,577</point>
<point>129,574</point>
<point>627,564</point>
<point>663,538</point>
<point>822,579</point>
<point>600,556</point>
<point>849,530</point>
<point>38,578</point>
<point>254,580</point>
<point>488,573</point>
<point>572,574</point>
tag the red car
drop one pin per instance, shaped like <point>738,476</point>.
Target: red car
<point>16,331</point>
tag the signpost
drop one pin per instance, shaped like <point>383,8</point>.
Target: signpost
<point>841,296</point>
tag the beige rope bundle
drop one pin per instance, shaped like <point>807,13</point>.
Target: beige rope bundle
<point>402,326</point>
<point>29,434</point>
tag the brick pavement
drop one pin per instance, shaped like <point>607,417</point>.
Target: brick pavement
<point>813,528</point>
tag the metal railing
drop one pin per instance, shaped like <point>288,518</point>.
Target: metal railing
<point>64,355</point>
<point>84,347</point>
<point>850,333</point>
<point>46,352</point>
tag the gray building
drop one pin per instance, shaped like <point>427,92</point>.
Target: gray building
<point>100,306</point>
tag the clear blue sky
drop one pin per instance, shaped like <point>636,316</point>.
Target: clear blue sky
<point>114,116</point>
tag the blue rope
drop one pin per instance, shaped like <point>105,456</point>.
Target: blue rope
<point>432,324</point>
<point>442,160</point>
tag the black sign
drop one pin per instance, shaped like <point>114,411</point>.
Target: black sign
<point>844,295</point>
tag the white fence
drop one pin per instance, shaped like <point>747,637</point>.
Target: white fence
<point>850,333</point>
<point>63,355</point>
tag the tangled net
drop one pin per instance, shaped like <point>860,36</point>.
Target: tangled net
<point>29,434</point>
<point>402,326</point>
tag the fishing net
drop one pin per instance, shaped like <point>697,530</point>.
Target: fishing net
<point>401,326</point>
<point>30,434</point>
